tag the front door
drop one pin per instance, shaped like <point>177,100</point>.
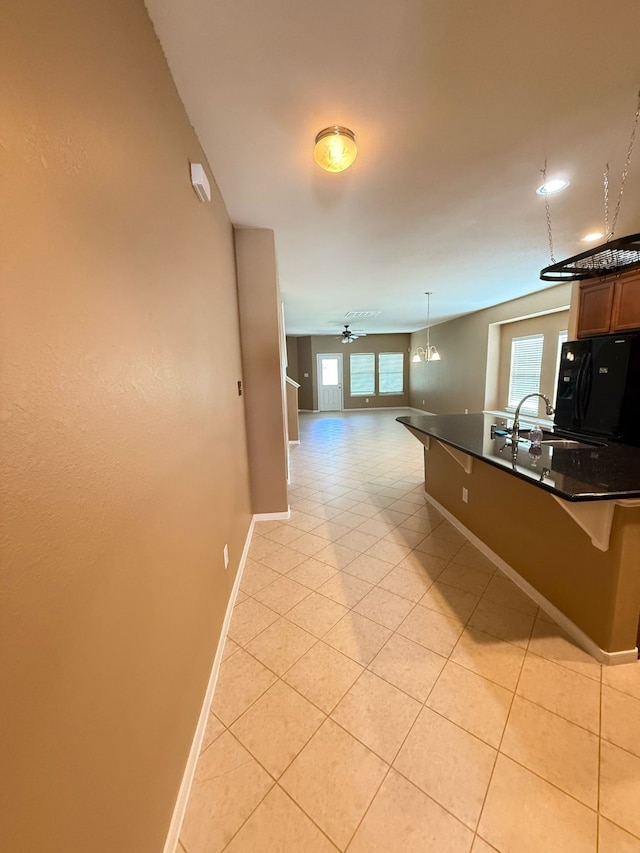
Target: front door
<point>330,382</point>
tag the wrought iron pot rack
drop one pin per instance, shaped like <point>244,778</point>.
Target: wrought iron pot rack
<point>616,256</point>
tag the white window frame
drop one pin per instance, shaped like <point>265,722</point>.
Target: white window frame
<point>563,337</point>
<point>524,372</point>
<point>370,357</point>
<point>389,373</point>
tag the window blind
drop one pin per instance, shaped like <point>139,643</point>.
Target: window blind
<point>362,367</point>
<point>524,377</point>
<point>391,373</point>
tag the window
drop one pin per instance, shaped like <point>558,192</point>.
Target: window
<point>391,373</point>
<point>524,377</point>
<point>330,371</point>
<point>363,373</point>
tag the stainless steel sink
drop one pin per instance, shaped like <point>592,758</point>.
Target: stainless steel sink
<point>567,443</point>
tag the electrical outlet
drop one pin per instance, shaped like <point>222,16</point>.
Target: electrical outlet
<point>465,495</point>
<point>225,556</point>
<point>366,400</point>
<point>423,402</point>
<point>466,411</point>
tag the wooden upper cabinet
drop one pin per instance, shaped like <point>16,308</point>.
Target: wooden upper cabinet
<point>626,303</point>
<point>609,305</point>
<point>596,305</point>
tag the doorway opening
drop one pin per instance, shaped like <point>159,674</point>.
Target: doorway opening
<point>330,382</point>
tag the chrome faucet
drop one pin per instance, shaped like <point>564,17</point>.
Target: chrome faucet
<point>515,430</point>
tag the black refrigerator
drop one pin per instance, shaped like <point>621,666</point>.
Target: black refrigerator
<point>599,388</point>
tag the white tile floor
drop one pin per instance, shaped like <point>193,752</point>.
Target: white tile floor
<point>385,688</point>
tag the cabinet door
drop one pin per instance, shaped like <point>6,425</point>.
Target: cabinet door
<point>626,304</point>
<point>596,304</point>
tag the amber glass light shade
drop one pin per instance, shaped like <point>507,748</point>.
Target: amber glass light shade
<point>335,148</point>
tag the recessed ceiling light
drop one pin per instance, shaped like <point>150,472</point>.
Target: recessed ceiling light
<point>553,186</point>
<point>592,237</point>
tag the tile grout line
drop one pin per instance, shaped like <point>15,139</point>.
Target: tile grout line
<point>498,749</point>
<point>598,815</point>
<point>276,783</point>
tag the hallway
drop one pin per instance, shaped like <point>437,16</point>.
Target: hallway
<point>385,688</point>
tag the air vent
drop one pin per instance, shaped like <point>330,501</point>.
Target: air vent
<point>362,315</point>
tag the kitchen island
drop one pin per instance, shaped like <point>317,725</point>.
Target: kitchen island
<point>562,521</point>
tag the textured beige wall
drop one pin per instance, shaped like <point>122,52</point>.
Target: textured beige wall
<point>263,358</point>
<point>123,455</point>
<point>457,382</point>
<point>598,590</point>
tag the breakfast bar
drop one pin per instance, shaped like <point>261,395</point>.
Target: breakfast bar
<point>561,519</point>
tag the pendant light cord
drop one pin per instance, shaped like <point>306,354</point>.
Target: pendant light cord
<point>625,171</point>
<point>428,295</point>
<point>548,211</point>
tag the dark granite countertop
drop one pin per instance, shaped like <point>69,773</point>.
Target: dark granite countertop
<point>607,472</point>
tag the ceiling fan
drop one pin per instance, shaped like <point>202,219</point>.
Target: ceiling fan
<point>348,336</point>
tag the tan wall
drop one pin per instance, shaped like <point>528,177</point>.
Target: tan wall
<point>123,440</point>
<point>306,372</point>
<point>293,424</point>
<point>309,348</point>
<point>549,325</point>
<point>598,590</point>
<point>458,381</point>
<point>263,366</point>
<point>292,359</point>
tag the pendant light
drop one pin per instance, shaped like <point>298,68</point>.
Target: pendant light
<point>430,353</point>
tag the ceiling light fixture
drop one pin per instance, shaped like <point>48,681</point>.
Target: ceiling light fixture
<point>592,237</point>
<point>430,353</point>
<point>553,186</point>
<point>348,337</point>
<point>335,148</point>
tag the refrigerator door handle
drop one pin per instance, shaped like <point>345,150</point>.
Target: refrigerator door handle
<point>584,389</point>
<point>577,393</point>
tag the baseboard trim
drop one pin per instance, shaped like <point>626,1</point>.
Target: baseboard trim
<point>363,409</point>
<point>272,516</point>
<point>584,641</point>
<point>187,779</point>
<point>374,409</point>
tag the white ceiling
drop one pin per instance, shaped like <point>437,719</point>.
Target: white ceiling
<point>455,104</point>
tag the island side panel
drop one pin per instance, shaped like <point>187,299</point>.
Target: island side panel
<point>627,600</point>
<point>597,590</point>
